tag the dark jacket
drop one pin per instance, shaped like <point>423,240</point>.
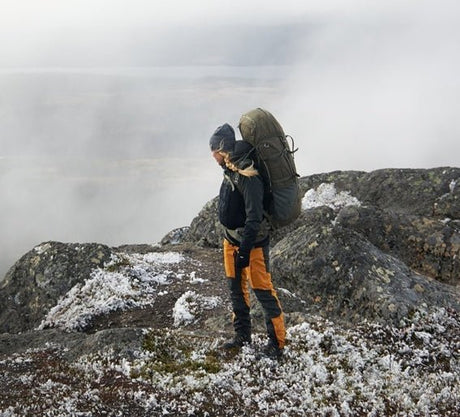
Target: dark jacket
<point>241,206</point>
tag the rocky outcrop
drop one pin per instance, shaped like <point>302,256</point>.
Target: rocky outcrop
<point>427,245</point>
<point>412,215</point>
<point>36,282</point>
<point>433,193</point>
<point>420,192</point>
<point>396,249</point>
<point>106,295</point>
<point>342,274</point>
<point>205,229</point>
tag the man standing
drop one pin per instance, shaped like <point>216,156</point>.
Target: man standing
<point>246,243</point>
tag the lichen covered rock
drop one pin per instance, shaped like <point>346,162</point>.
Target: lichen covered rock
<point>340,273</point>
<point>41,277</point>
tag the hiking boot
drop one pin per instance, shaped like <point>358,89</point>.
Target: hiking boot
<point>237,342</point>
<point>270,351</point>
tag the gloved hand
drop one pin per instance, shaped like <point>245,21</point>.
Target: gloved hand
<point>241,259</point>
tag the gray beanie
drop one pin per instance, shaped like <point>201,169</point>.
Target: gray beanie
<point>223,139</point>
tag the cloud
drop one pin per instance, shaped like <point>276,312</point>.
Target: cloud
<point>371,84</point>
<point>376,90</point>
<point>121,32</point>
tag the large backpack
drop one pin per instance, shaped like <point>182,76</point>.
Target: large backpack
<point>275,160</point>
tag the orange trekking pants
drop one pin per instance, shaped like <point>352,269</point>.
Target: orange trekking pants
<point>257,276</point>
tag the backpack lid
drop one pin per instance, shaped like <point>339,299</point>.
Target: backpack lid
<point>259,124</point>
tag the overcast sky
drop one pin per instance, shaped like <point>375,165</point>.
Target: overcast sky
<point>371,83</point>
<point>61,32</point>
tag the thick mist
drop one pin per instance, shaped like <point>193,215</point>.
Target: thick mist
<point>377,88</point>
<point>114,157</point>
<point>106,108</point>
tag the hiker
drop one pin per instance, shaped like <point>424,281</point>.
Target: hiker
<point>246,243</point>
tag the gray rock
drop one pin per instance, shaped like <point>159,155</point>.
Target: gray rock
<point>35,283</point>
<point>120,341</point>
<point>205,229</point>
<point>416,192</point>
<point>340,274</point>
<point>176,236</point>
<point>426,244</point>
<point>423,192</point>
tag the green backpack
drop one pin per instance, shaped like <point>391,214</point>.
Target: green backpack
<point>275,159</point>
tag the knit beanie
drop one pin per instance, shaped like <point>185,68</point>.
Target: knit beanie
<point>223,139</point>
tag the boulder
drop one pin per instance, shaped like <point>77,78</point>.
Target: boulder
<point>425,244</point>
<point>339,273</point>
<point>35,283</point>
<point>422,192</point>
<point>205,229</point>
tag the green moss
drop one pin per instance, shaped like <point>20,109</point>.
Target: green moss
<point>434,177</point>
<point>173,353</point>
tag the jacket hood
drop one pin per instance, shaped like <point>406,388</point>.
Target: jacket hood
<point>241,154</point>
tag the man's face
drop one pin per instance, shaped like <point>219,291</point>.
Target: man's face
<point>218,157</point>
